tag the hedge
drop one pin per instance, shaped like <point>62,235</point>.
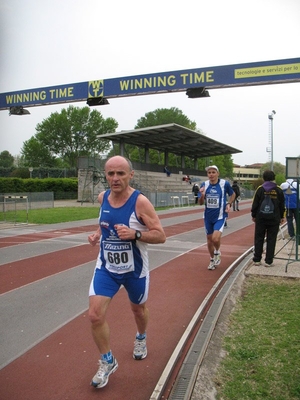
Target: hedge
<point>63,188</point>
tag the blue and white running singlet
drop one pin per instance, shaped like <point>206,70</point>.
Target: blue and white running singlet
<point>118,256</point>
<point>215,199</point>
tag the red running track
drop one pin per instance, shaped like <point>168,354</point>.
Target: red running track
<point>61,366</point>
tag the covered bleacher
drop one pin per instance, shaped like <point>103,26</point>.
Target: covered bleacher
<point>170,138</point>
<point>150,178</point>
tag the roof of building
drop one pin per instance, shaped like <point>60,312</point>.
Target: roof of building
<point>172,138</point>
<point>255,165</point>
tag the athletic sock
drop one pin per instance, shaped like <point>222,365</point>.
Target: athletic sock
<point>140,336</point>
<point>108,357</point>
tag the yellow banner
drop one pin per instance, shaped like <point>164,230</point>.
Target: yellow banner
<point>282,69</point>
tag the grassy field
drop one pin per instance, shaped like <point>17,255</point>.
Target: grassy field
<point>262,345</point>
<point>51,215</point>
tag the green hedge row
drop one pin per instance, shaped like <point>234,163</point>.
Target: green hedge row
<point>41,172</point>
<point>61,187</point>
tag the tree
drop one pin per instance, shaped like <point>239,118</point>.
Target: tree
<point>36,154</point>
<point>278,168</point>
<point>163,116</point>
<point>69,134</point>
<point>6,159</point>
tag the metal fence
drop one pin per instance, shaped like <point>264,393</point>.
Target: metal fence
<point>15,206</point>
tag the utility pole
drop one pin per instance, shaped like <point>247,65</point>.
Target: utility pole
<point>270,116</point>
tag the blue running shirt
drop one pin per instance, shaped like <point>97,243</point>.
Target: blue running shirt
<point>215,199</point>
<point>118,256</point>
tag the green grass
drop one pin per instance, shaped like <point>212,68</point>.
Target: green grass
<point>52,215</point>
<point>262,345</point>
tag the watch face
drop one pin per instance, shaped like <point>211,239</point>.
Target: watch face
<point>138,235</point>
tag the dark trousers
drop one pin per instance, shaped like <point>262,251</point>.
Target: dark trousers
<point>235,205</point>
<point>290,215</point>
<point>270,230</point>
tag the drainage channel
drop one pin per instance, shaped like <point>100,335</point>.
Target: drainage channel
<point>183,386</point>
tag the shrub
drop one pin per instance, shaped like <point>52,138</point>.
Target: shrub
<point>63,188</point>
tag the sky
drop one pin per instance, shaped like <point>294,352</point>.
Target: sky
<point>53,42</point>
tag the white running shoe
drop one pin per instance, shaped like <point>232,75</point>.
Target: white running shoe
<point>140,349</point>
<point>269,265</point>
<point>105,369</point>
<point>211,264</point>
<point>217,257</point>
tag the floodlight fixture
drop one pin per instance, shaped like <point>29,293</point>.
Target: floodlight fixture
<point>97,101</point>
<point>18,110</point>
<point>194,93</point>
<point>270,116</point>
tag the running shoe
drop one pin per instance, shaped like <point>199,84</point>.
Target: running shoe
<point>269,265</point>
<point>105,369</point>
<point>140,349</point>
<point>217,257</point>
<point>257,263</point>
<point>211,264</point>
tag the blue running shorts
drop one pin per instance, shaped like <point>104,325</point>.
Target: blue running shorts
<point>107,284</point>
<point>217,225</point>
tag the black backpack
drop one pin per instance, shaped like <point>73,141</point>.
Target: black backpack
<point>267,209</point>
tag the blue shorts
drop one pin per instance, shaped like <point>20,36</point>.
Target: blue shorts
<point>106,284</point>
<point>217,225</point>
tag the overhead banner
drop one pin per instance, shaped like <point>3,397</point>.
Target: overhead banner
<point>259,73</point>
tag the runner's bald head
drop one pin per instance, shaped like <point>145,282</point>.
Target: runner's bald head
<point>119,159</point>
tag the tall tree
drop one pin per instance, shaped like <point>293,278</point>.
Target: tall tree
<point>36,154</point>
<point>72,133</point>
<point>163,116</point>
<point>6,159</point>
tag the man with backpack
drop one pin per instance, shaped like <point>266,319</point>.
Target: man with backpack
<point>268,210</point>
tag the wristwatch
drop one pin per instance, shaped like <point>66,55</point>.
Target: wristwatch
<point>138,235</point>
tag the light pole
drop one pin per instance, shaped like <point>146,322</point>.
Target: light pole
<point>270,116</point>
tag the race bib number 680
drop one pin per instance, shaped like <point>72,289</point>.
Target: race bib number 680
<point>118,256</point>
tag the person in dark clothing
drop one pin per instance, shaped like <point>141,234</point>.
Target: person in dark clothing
<point>167,171</point>
<point>236,189</point>
<point>263,225</point>
<point>195,190</point>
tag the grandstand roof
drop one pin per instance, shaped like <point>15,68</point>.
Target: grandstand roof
<point>172,138</point>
